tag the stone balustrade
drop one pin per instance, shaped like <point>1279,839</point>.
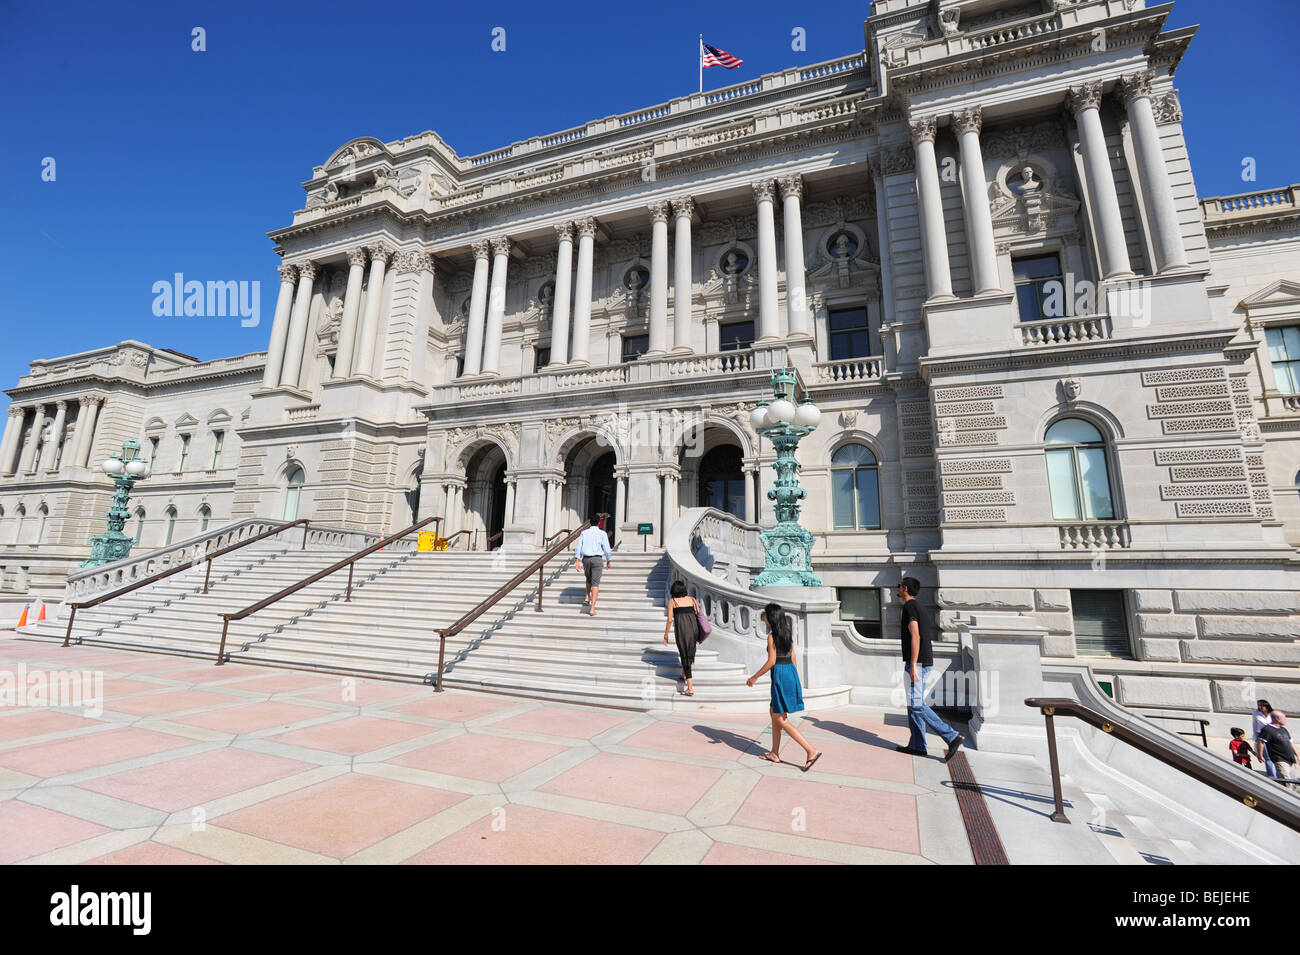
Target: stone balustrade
<point>1250,205</point>
<point>1105,535</point>
<point>1065,331</point>
<point>854,369</point>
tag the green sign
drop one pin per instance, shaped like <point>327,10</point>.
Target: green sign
<point>645,528</point>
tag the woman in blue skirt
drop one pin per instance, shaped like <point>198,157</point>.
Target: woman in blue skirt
<point>787,695</point>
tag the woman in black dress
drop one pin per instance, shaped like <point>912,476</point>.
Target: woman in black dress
<point>681,617</point>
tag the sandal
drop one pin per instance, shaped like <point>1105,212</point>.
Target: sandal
<point>770,758</point>
<point>811,759</point>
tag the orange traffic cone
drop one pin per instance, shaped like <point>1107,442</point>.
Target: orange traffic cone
<point>22,621</point>
<point>41,616</point>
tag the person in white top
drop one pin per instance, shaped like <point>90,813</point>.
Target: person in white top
<point>592,556</point>
<point>1263,717</point>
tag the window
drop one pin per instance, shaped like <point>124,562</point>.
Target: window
<point>44,512</point>
<point>292,492</point>
<point>460,365</point>
<point>735,336</point>
<point>185,454</point>
<point>153,452</point>
<point>541,358</point>
<point>1284,353</point>
<point>1077,476</point>
<point>205,515</point>
<point>171,525</point>
<point>1100,623</point>
<point>218,442</point>
<point>1032,274</point>
<point>19,517</point>
<point>855,488</point>
<point>860,606</point>
<point>139,524</point>
<point>634,346</point>
<point>850,336</point>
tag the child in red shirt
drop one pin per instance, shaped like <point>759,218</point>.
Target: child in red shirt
<point>1240,747</point>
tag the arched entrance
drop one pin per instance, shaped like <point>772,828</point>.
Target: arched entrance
<point>722,481</point>
<point>589,484</point>
<point>496,515</point>
<point>602,493</point>
<point>485,495</point>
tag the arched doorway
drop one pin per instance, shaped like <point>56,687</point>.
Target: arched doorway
<point>485,495</point>
<point>292,493</point>
<point>602,492</point>
<point>496,515</point>
<point>722,482</point>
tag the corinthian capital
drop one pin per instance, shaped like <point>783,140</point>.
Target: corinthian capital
<point>307,270</point>
<point>379,252</point>
<point>683,207</point>
<point>791,185</point>
<point>922,130</point>
<point>289,273</point>
<point>1135,85</point>
<point>658,211</point>
<point>586,228</point>
<point>968,120</point>
<point>500,245</point>
<point>357,256</point>
<point>1084,96</point>
<point>764,190</point>
<point>564,231</point>
<point>480,249</point>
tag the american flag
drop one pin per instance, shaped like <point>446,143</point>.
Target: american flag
<point>712,56</point>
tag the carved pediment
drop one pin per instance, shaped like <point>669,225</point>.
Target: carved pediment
<point>1280,300</point>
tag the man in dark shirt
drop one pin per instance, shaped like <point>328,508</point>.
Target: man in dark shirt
<point>1280,748</point>
<point>918,660</point>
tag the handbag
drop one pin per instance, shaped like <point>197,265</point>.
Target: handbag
<point>705,627</point>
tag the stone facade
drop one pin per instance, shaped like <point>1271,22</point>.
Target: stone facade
<point>584,321</point>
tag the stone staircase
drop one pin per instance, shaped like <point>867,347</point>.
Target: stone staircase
<point>389,628</point>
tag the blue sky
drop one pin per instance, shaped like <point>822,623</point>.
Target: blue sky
<point>170,160</point>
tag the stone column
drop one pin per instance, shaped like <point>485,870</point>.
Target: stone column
<point>750,515</point>
<point>683,210</point>
<point>796,295</point>
<point>769,319</point>
<point>1112,247</point>
<point>369,332</point>
<point>620,499</point>
<point>86,430</point>
<point>934,237</point>
<point>975,202</point>
<point>672,498</point>
<point>297,343</point>
<point>658,279</point>
<point>1157,194</point>
<point>351,309</point>
<point>477,310</point>
<point>50,452</point>
<point>280,327</point>
<point>449,493</point>
<point>510,505</point>
<point>496,316</point>
<point>12,438</point>
<point>563,295</point>
<point>582,293</point>
<point>28,463</point>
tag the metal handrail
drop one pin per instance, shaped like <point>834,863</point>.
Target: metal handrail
<point>487,603</point>
<point>347,562</point>
<point>487,545</point>
<point>451,537</point>
<point>547,541</point>
<point>82,604</point>
<point>1200,731</point>
<point>1284,809</point>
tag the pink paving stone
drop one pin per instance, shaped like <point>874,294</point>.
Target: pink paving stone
<point>564,721</point>
<point>696,739</point>
<point>249,717</point>
<point>28,723</point>
<point>540,837</point>
<point>84,752</point>
<point>152,853</point>
<point>654,784</point>
<point>194,780</point>
<point>124,686</point>
<point>209,674</point>
<point>32,830</point>
<point>863,817</point>
<point>364,693</point>
<point>340,816</point>
<point>493,759</point>
<point>846,758</point>
<point>353,735</point>
<point>261,682</point>
<point>723,854</point>
<point>151,663</point>
<point>154,703</point>
<point>455,707</point>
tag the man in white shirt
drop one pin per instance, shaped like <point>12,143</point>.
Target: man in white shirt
<point>592,557</point>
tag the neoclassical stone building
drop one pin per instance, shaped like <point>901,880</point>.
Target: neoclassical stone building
<point>1053,379</point>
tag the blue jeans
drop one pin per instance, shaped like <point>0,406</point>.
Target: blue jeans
<point>1270,770</point>
<point>919,714</point>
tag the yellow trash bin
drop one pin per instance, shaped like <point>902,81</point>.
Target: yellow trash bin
<point>427,541</point>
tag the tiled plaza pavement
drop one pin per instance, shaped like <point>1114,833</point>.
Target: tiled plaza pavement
<point>191,763</point>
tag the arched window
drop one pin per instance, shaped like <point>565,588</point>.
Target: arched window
<point>205,515</point>
<point>20,515</point>
<point>171,525</point>
<point>1077,476</point>
<point>139,524</point>
<point>44,513</point>
<point>722,481</point>
<point>292,491</point>
<point>855,488</point>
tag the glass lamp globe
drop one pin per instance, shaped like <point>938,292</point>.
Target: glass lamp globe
<point>113,466</point>
<point>808,415</point>
<point>781,410</point>
<point>136,468</point>
<point>758,417</point>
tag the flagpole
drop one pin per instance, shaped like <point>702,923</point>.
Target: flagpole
<point>701,62</point>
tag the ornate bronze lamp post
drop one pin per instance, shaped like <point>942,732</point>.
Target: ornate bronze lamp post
<point>125,471</point>
<point>788,560</point>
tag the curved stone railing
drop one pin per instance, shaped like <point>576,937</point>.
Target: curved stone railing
<point>717,555</point>
<point>91,581</point>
